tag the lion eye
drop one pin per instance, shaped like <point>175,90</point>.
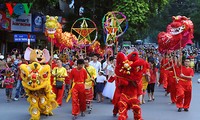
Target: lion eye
<point>38,82</point>
<point>30,82</point>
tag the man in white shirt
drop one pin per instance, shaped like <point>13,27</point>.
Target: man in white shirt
<point>97,65</point>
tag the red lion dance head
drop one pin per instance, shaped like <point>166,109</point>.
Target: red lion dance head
<point>179,34</point>
<point>130,67</point>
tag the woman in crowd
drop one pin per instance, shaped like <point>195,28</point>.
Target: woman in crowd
<point>110,87</point>
<point>59,74</point>
<point>153,79</point>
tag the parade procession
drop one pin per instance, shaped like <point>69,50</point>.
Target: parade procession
<point>103,60</point>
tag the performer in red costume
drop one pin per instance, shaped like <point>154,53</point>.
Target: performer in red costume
<point>184,86</point>
<point>129,72</point>
<point>78,75</point>
<point>117,94</point>
<point>167,72</point>
<point>171,80</point>
<point>164,62</point>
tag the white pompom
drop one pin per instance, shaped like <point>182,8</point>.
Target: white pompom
<point>198,80</point>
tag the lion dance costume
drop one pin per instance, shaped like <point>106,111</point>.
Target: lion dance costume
<point>129,72</point>
<point>36,82</point>
<point>57,36</point>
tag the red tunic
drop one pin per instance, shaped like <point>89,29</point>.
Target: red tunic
<point>186,71</point>
<point>78,75</point>
<point>162,79</point>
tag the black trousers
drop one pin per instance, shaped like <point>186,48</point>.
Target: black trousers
<point>95,91</point>
<point>151,87</point>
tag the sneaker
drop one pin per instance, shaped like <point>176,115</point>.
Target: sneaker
<point>180,109</point>
<point>114,115</point>
<point>143,102</point>
<point>16,99</point>
<point>186,109</point>
<point>89,112</point>
<point>82,114</point>
<point>74,117</point>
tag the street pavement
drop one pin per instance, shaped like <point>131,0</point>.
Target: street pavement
<point>160,109</point>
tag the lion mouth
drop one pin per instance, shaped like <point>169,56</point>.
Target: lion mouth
<point>176,31</point>
<point>51,30</point>
<point>39,59</point>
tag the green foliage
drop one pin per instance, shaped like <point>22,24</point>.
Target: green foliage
<point>138,12</point>
<point>188,8</point>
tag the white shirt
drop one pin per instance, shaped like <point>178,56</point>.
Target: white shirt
<point>110,69</point>
<point>96,65</point>
<point>101,79</point>
<point>104,66</point>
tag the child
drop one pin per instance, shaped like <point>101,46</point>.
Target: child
<point>145,80</point>
<point>67,80</point>
<point>153,79</point>
<point>9,81</point>
<point>100,86</point>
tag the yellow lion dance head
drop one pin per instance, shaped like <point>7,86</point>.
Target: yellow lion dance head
<point>51,25</point>
<point>35,76</point>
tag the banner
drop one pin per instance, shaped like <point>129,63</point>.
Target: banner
<point>22,23</point>
<point>37,22</point>
<point>4,21</point>
<point>24,38</point>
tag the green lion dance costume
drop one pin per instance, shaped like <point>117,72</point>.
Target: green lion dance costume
<point>36,82</point>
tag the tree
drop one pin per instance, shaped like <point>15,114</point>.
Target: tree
<point>138,12</point>
<point>186,8</point>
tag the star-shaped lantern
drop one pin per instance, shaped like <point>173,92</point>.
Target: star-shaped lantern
<point>84,31</point>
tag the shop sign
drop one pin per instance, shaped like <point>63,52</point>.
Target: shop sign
<point>19,8</point>
<point>22,23</point>
<point>24,38</point>
<point>37,22</point>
